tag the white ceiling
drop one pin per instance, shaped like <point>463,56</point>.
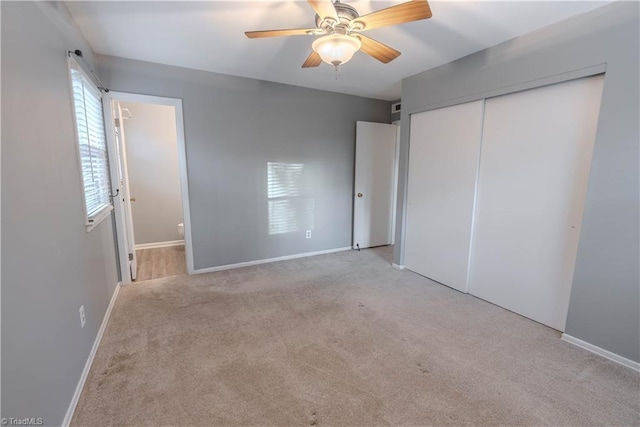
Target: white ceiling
<point>209,35</point>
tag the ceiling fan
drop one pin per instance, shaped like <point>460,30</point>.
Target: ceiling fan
<point>341,29</point>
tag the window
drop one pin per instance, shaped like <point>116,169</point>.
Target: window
<point>92,145</point>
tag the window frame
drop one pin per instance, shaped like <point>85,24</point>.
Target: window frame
<point>90,221</point>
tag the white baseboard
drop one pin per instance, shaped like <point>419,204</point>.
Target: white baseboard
<point>266,261</point>
<point>399,267</point>
<point>160,244</point>
<point>87,366</point>
<point>602,352</point>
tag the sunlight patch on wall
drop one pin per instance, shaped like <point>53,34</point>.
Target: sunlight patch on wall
<point>288,210</point>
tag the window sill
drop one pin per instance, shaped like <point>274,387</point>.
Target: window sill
<point>99,217</point>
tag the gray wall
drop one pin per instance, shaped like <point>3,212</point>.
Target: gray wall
<point>154,176</point>
<point>234,127</point>
<point>603,309</point>
<point>50,264</point>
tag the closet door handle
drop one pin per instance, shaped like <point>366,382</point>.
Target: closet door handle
<point>133,199</point>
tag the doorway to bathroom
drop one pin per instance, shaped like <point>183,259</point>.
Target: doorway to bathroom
<point>148,162</point>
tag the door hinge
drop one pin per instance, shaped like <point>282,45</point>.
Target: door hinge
<point>117,122</point>
<point>130,257</point>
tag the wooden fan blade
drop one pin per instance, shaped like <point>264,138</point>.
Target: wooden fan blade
<point>313,60</point>
<point>405,12</point>
<point>279,33</point>
<point>379,51</point>
<point>324,9</point>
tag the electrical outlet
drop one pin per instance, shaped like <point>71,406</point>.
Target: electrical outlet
<point>308,234</point>
<point>83,319</point>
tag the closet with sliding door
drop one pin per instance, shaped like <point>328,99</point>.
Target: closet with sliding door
<point>496,192</point>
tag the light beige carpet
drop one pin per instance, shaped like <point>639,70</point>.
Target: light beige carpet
<point>340,339</point>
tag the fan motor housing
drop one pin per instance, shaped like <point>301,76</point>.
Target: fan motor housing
<point>346,14</point>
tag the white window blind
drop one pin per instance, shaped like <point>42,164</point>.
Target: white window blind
<point>92,144</point>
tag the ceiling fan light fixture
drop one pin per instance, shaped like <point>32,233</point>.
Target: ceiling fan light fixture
<point>336,49</point>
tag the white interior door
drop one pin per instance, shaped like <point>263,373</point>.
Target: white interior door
<point>374,184</point>
<point>125,206</point>
<point>536,154</point>
<point>444,151</point>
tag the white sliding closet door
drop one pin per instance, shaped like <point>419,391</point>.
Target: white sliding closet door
<point>536,154</point>
<point>443,162</point>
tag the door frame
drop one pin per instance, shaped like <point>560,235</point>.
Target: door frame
<point>123,256</point>
<point>396,170</point>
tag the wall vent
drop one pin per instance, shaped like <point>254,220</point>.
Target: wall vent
<point>395,108</point>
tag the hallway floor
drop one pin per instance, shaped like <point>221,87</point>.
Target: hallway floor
<point>156,263</point>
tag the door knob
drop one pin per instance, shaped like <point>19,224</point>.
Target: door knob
<point>133,199</point>
<point>359,194</point>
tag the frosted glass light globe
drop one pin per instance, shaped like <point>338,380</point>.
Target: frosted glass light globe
<point>336,49</point>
